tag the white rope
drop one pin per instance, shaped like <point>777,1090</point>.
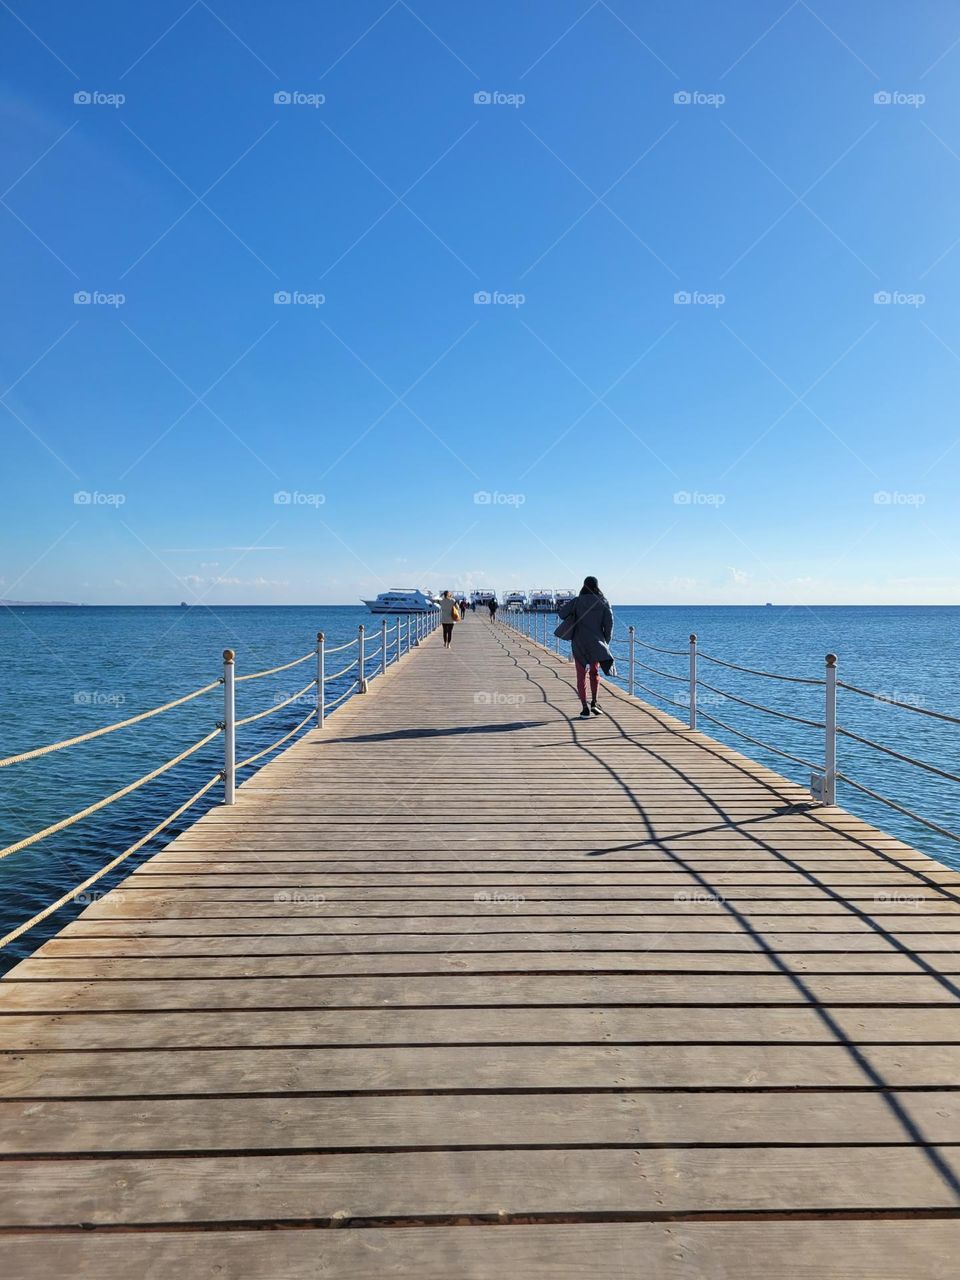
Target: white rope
<point>101,804</point>
<point>266,750</point>
<point>342,672</point>
<point>259,715</point>
<point>346,645</point>
<point>271,671</point>
<point>68,897</point>
<point>107,728</point>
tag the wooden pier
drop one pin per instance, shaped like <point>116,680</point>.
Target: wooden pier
<point>501,995</point>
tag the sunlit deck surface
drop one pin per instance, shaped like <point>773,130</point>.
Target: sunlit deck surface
<point>499,994</point>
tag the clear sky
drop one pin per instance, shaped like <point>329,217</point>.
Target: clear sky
<point>781,435</point>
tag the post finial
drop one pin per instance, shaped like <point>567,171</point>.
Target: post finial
<point>228,655</point>
<point>693,637</point>
<point>319,637</point>
<point>361,627</point>
<point>831,659</point>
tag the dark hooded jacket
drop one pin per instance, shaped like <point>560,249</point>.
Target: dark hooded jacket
<point>593,627</point>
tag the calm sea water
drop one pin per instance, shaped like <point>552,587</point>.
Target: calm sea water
<point>69,670</point>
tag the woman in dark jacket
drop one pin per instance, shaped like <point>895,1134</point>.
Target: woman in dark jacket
<point>592,620</point>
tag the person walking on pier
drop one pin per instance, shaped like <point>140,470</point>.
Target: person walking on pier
<point>587,622</point>
<point>449,614</point>
<point>492,606</point>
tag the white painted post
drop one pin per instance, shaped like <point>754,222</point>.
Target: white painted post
<point>229,728</point>
<point>361,661</point>
<point>320,679</point>
<point>830,733</point>
<point>693,682</point>
<point>383,646</point>
<point>632,683</point>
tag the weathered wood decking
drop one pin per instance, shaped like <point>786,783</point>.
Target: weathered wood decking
<point>502,996</point>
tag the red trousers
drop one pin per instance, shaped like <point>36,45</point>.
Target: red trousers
<point>594,668</point>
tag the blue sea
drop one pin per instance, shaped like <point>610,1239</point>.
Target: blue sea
<point>69,670</point>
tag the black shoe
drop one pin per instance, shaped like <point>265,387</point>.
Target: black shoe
<point>585,713</point>
<point>595,710</point>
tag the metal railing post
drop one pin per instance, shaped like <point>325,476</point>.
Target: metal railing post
<point>229,728</point>
<point>320,680</point>
<point>383,646</point>
<point>361,663</point>
<point>830,733</point>
<point>632,683</point>
<point>693,682</point>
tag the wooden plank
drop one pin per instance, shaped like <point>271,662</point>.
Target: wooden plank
<point>740,1250</point>
<point>426,1184</point>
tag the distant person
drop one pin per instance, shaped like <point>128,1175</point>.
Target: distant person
<point>492,606</point>
<point>587,622</point>
<point>449,614</point>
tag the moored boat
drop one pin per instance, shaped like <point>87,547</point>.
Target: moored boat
<point>402,600</point>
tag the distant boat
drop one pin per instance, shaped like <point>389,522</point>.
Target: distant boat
<point>184,605</point>
<point>515,600</point>
<point>482,597</point>
<point>564,597</point>
<point>402,600</point>
<point>541,602</point>
<point>768,605</point>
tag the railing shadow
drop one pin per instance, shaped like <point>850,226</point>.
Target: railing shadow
<point>729,822</point>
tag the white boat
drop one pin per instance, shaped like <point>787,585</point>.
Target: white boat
<point>514,600</point>
<point>482,598</point>
<point>402,600</point>
<point>564,597</point>
<point>541,601</point>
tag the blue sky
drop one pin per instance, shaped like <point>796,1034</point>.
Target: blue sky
<point>782,435</point>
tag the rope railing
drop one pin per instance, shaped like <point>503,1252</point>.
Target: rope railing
<point>74,893</point>
<point>102,804</point>
<point>108,728</point>
<point>823,776</point>
<point>759,706</point>
<point>413,632</point>
<point>277,706</point>
<point>272,671</point>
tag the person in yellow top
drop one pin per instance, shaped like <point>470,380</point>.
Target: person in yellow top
<point>449,614</point>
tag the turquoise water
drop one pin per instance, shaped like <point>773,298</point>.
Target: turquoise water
<point>69,670</point>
